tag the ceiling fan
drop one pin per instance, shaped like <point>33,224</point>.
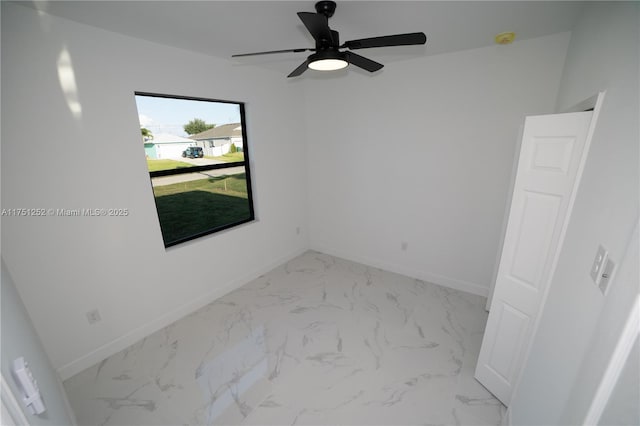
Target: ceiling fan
<point>327,56</point>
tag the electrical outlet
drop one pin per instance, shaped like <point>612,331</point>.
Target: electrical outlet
<point>93,316</point>
<point>404,245</point>
<point>297,230</point>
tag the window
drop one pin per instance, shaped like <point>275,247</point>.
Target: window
<point>197,190</point>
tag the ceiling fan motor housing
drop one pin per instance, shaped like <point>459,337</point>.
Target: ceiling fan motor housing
<point>327,54</point>
<point>326,7</point>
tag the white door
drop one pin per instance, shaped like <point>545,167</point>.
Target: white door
<point>550,155</point>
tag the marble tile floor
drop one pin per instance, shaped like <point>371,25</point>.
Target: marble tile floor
<point>316,341</point>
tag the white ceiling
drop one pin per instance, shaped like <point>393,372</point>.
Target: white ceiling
<point>222,28</point>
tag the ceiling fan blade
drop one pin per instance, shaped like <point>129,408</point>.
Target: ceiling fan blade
<point>271,52</point>
<point>317,24</point>
<point>384,41</point>
<point>362,62</point>
<point>302,68</point>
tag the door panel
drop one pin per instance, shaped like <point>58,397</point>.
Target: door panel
<point>512,325</point>
<point>552,147</point>
<point>535,229</point>
<point>552,154</point>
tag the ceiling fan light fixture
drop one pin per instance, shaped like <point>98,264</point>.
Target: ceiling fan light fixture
<point>327,61</point>
<point>328,64</point>
<point>328,56</point>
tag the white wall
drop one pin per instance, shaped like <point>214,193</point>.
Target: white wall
<point>19,339</point>
<point>422,153</point>
<point>579,326</point>
<point>51,158</point>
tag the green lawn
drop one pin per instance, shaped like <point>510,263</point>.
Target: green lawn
<point>193,207</point>
<point>155,165</point>
<point>230,157</point>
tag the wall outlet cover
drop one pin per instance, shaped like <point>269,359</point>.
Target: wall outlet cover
<point>93,316</point>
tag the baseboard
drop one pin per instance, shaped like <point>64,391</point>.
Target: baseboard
<point>441,280</point>
<point>74,367</point>
<point>103,352</point>
<point>506,419</point>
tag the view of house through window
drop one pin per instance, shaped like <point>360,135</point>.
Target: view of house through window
<point>198,161</point>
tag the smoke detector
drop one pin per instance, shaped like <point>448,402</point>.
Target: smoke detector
<point>505,38</point>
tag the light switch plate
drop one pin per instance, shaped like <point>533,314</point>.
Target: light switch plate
<point>28,386</point>
<point>598,264</point>
<point>606,276</point>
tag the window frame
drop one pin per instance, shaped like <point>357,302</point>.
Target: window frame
<point>195,169</point>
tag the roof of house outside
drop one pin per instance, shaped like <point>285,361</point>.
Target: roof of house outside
<point>168,138</point>
<point>223,131</point>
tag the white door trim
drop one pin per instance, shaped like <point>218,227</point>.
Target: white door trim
<point>12,413</point>
<point>615,366</point>
<point>590,103</point>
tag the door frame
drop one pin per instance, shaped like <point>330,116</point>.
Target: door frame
<point>630,334</point>
<point>11,410</point>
